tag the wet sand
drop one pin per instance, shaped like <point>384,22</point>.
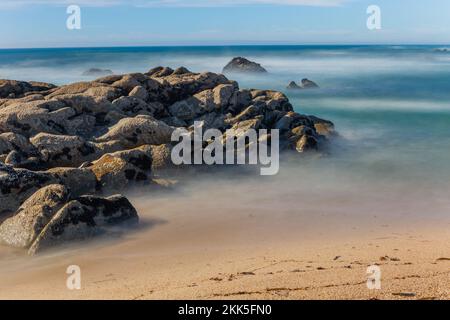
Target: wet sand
<point>252,240</point>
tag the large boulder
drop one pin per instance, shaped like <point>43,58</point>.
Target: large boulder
<point>137,131</point>
<point>123,168</point>
<point>62,150</point>
<point>16,185</point>
<point>34,214</point>
<point>83,218</point>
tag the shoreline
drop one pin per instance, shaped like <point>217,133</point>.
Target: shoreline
<point>235,254</point>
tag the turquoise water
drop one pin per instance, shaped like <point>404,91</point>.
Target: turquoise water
<point>390,104</point>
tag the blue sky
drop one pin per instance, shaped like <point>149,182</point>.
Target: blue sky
<point>42,23</point>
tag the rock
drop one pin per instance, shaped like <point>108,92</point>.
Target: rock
<point>187,109</point>
<point>79,180</point>
<point>34,214</point>
<point>120,169</point>
<point>177,87</point>
<point>138,131</point>
<point>16,185</point>
<point>161,158</point>
<point>10,141</point>
<point>84,218</point>
<point>128,82</point>
<point>14,158</point>
<point>308,84</point>
<point>133,106</point>
<point>181,70</point>
<point>306,143</point>
<point>243,65</point>
<point>160,72</point>
<point>139,92</point>
<point>97,72</point>
<point>293,86</point>
<point>323,127</point>
<point>16,89</point>
<point>62,150</point>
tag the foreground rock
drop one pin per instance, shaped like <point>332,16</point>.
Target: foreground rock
<point>52,216</point>
<point>243,65</point>
<point>83,218</point>
<point>62,146</point>
<point>35,213</point>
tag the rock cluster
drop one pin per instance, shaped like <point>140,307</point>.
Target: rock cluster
<point>60,146</point>
<point>306,84</point>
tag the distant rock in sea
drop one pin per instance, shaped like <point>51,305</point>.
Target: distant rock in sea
<point>442,50</point>
<point>306,84</point>
<point>243,65</point>
<point>97,72</point>
<point>293,86</point>
<point>64,149</point>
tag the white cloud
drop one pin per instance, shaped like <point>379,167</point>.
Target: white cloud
<point>172,3</point>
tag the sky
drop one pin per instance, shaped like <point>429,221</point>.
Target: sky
<point>42,23</point>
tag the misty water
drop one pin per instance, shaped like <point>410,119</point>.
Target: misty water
<point>390,106</point>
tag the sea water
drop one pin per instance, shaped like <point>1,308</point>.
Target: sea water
<point>390,106</point>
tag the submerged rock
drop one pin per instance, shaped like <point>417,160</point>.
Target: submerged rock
<point>293,86</point>
<point>97,72</point>
<point>308,84</point>
<point>243,65</point>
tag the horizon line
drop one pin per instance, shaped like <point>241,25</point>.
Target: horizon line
<point>229,45</point>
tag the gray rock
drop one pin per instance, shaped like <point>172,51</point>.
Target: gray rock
<point>241,64</point>
<point>97,72</point>
<point>22,229</point>
<point>308,84</point>
<point>84,218</point>
<point>293,86</point>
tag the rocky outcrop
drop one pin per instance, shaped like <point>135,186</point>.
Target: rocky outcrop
<point>62,146</point>
<point>243,65</point>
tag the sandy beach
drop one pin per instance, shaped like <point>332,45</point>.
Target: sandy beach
<point>254,248</point>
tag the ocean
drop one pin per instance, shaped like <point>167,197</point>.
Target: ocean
<point>390,106</point>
